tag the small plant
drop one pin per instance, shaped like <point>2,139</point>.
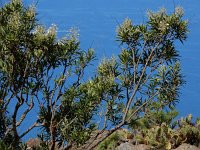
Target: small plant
<point>113,141</point>
<point>188,131</point>
<point>168,136</point>
<point>159,137</point>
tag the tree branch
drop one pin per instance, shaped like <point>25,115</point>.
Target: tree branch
<point>138,84</point>
<point>29,129</point>
<point>23,116</point>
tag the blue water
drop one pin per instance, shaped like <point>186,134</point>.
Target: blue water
<point>97,21</point>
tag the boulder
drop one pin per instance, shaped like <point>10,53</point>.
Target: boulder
<point>187,147</point>
<point>129,146</point>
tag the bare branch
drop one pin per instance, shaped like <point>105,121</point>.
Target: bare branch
<point>23,116</point>
<point>139,108</point>
<point>106,135</point>
<point>29,129</point>
<point>8,100</point>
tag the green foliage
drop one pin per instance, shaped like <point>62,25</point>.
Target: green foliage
<point>165,136</point>
<point>149,67</point>
<point>151,75</point>
<point>3,146</point>
<point>159,137</point>
<point>3,121</point>
<point>113,141</point>
<point>188,131</point>
<point>154,118</point>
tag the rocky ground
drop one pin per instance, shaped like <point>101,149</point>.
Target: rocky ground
<point>129,146</point>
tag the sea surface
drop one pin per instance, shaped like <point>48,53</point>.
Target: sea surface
<point>97,20</point>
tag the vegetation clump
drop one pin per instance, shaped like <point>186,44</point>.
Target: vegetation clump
<point>170,136</point>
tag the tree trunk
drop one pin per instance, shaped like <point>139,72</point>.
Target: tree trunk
<point>53,136</point>
<point>15,143</point>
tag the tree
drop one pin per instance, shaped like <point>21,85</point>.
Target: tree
<point>40,72</point>
<point>146,76</point>
<point>34,66</point>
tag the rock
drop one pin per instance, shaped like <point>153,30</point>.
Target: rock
<point>187,147</point>
<point>32,143</point>
<point>129,146</point>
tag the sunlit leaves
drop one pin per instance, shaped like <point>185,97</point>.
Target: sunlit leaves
<point>170,26</point>
<point>125,57</point>
<point>128,33</point>
<point>108,68</point>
